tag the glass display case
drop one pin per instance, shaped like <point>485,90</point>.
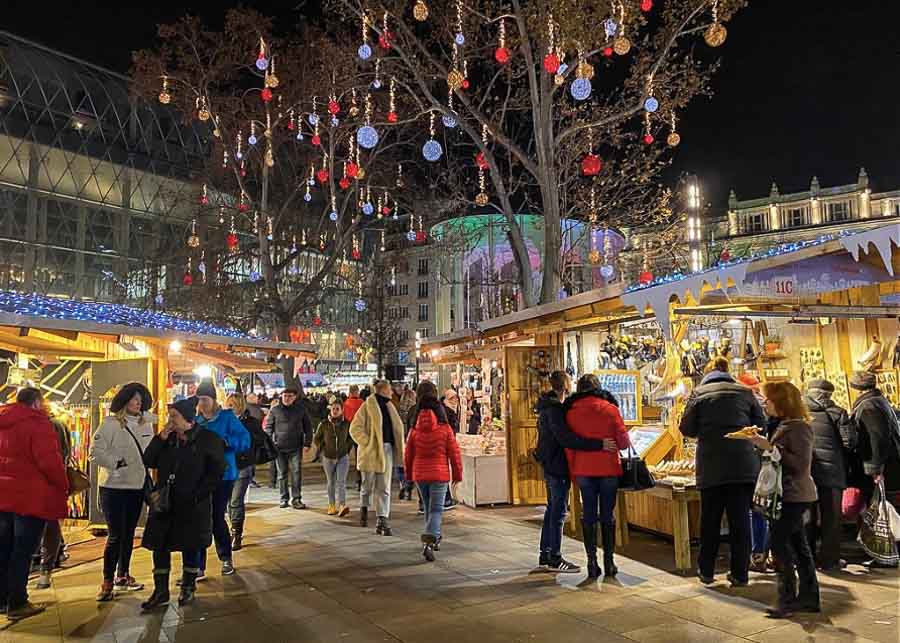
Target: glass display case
<point>626,386</point>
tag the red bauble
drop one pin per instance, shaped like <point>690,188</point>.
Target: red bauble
<point>725,256</point>
<point>551,63</point>
<point>420,236</point>
<point>316,139</point>
<point>608,52</point>
<point>465,84</point>
<point>645,277</point>
<point>501,55</point>
<point>646,5</point>
<point>243,207</point>
<point>385,210</point>
<point>480,161</point>
<point>344,183</point>
<point>243,172</point>
<point>334,107</point>
<point>648,139</point>
<point>356,254</point>
<point>384,40</point>
<point>352,170</point>
<point>290,126</point>
<point>317,321</point>
<point>266,95</point>
<point>188,279</point>
<point>322,175</point>
<point>204,200</point>
<point>231,240</point>
<point>392,117</point>
<point>591,165</point>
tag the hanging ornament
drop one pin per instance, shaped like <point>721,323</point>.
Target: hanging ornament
<point>610,26</point>
<point>481,161</point>
<point>317,321</point>
<point>356,253</point>
<point>594,257</point>
<point>716,33</point>
<point>333,215</point>
<point>648,136</point>
<point>365,51</point>
<point>580,89</point>
<point>420,11</point>
<point>386,35</point>
<point>591,165</point>
<point>400,183</point>
<point>193,240</point>
<point>367,206</point>
<point>204,197</point>
<point>242,205</point>
<point>432,150</point>
<point>376,84</point>
<point>459,38</point>
<point>202,111</point>
<point>585,70</point>
<point>455,79</point>
<point>674,137</point>
<point>266,95</point>
<point>307,196</point>
<point>252,140</point>
<point>501,53</point>
<point>608,52</point>
<point>621,45</point>
<point>322,176</point>
<point>367,136</point>
<point>646,6</point>
<point>648,139</point>
<point>392,107</point>
<point>607,271</point>
<point>344,183</point>
<point>551,63</point>
<point>271,79</point>
<point>352,169</point>
<point>420,233</point>
<point>262,63</point>
<point>725,256</point>
<point>164,96</point>
<point>231,240</point>
<point>316,140</point>
<point>188,279</point>
<point>334,107</point>
<point>354,108</point>
<point>651,104</point>
<point>551,59</point>
<point>645,277</point>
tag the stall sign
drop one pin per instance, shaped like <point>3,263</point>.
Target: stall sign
<point>18,377</point>
<point>777,373</point>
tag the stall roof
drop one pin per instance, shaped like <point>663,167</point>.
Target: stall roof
<point>20,310</point>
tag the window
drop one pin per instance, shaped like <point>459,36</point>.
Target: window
<point>839,210</point>
<point>423,312</point>
<point>404,290</point>
<point>754,222</point>
<point>423,289</point>
<point>423,266</point>
<point>402,336</point>
<point>423,333</point>
<point>795,217</point>
<point>404,312</point>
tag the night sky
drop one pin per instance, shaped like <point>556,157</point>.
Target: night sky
<point>806,87</point>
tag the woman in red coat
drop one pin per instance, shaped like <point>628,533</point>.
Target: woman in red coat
<point>431,453</point>
<point>33,490</point>
<point>594,413</point>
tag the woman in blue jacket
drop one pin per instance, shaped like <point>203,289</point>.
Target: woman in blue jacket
<point>225,424</point>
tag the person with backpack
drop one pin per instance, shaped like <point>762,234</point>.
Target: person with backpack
<point>246,462</point>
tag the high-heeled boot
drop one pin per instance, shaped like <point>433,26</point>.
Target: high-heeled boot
<point>608,534</point>
<point>589,533</point>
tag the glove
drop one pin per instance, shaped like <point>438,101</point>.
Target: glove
<point>121,464</point>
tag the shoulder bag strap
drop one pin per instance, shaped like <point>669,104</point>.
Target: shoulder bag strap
<point>141,452</point>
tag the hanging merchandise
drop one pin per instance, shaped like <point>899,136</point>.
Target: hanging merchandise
<point>501,53</point>
<point>365,50</point>
<point>674,138</point>
<point>164,96</point>
<point>716,33</point>
<point>432,150</point>
<point>367,136</point>
<point>420,11</point>
<point>262,63</point>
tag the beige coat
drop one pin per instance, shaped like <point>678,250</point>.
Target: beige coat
<point>365,429</point>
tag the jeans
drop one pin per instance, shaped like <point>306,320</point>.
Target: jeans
<point>162,561</point>
<point>222,536</point>
<point>377,486</point>
<point>289,468</point>
<point>790,549</point>
<point>50,544</point>
<point>336,475</point>
<point>759,533</point>
<point>598,498</point>
<point>237,505</point>
<point>122,510</point>
<point>19,538</point>
<point>432,494</point>
<point>826,524</point>
<point>734,500</point>
<point>554,515</point>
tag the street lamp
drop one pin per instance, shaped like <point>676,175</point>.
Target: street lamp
<point>694,231</point>
<point>418,353</point>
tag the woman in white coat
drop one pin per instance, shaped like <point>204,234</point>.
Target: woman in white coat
<point>117,449</point>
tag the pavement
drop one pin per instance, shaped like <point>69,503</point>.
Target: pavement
<point>304,576</point>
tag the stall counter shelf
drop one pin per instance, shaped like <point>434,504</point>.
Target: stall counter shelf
<point>485,474</point>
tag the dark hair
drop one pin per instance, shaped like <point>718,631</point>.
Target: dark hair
<point>291,390</point>
<point>426,388</point>
<point>588,382</point>
<point>127,392</point>
<point>29,396</point>
<point>558,380</point>
<point>431,403</point>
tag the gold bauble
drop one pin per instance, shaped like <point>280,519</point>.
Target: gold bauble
<point>217,133</point>
<point>584,70</point>
<point>193,241</point>
<point>360,173</point>
<point>621,45</point>
<point>716,34</point>
<point>559,79</point>
<point>354,111</point>
<point>203,115</point>
<point>673,139</point>
<point>481,199</point>
<point>272,81</point>
<point>165,98</point>
<point>455,79</point>
<point>594,256</point>
<point>270,159</point>
<point>420,11</point>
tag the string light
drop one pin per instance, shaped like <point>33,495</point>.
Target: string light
<point>674,137</point>
<point>365,50</point>
<point>392,107</point>
<point>164,96</point>
<point>432,150</point>
<point>716,33</point>
<point>501,54</point>
<point>420,11</point>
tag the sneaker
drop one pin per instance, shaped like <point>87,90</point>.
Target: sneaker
<point>735,582</point>
<point>332,510</point>
<point>24,611</point>
<point>706,580</point>
<point>254,484</point>
<point>342,511</point>
<point>127,584</point>
<point>43,581</point>
<point>428,552</point>
<point>450,506</point>
<point>833,567</point>
<point>437,544</point>
<point>227,568</point>
<point>106,592</point>
<point>283,504</point>
<point>297,504</point>
<point>563,567</point>
<point>758,564</point>
<point>420,511</point>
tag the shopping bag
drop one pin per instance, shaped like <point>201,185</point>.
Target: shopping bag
<point>894,521</point>
<point>875,534</point>
<point>853,503</point>
<point>635,474</point>
<point>768,493</point>
<point>78,479</point>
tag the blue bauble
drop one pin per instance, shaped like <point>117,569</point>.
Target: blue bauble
<point>364,51</point>
<point>651,104</point>
<point>411,235</point>
<point>563,68</point>
<point>610,26</point>
<point>376,84</point>
<point>580,89</point>
<point>368,209</point>
<point>332,215</point>
<point>334,121</point>
<point>367,136</point>
<point>360,305</point>
<point>299,136</point>
<point>238,155</point>
<point>449,121</point>
<point>432,150</point>
<point>160,300</point>
<point>254,276</point>
<point>307,197</point>
<point>252,140</point>
<point>607,271</point>
<point>313,119</point>
<point>459,39</point>
<point>262,64</point>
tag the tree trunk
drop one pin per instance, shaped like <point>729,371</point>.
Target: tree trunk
<point>285,364</point>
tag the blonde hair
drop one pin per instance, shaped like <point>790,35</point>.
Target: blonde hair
<point>717,364</point>
<point>787,400</point>
<point>236,403</point>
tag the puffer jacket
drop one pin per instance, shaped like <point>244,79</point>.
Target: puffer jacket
<point>112,445</point>
<point>554,437</point>
<point>717,407</point>
<point>429,449</point>
<point>33,479</point>
<point>289,426</point>
<point>879,437</point>
<point>332,438</point>
<point>258,439</point>
<point>591,415</point>
<point>833,436</point>
<point>225,424</point>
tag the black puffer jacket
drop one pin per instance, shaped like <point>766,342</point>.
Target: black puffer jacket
<point>879,437</point>
<point>289,426</point>
<point>554,437</point>
<point>258,451</point>
<point>833,437</point>
<point>198,465</point>
<point>716,408</point>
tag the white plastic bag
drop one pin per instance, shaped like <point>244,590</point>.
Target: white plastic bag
<point>768,493</point>
<point>875,533</point>
<point>893,520</point>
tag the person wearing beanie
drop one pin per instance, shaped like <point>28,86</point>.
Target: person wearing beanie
<point>834,437</point>
<point>225,424</point>
<point>117,449</point>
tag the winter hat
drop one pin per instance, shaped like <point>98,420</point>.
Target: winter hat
<point>748,380</point>
<point>206,388</point>
<point>820,384</point>
<point>127,392</point>
<point>187,408</point>
<point>862,380</point>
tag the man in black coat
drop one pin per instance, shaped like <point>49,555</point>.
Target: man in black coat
<point>879,434</point>
<point>289,426</point>
<point>834,438</point>
<point>554,437</point>
<point>726,469</point>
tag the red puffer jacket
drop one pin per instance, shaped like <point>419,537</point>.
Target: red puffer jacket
<point>590,416</point>
<point>33,479</point>
<point>432,451</point>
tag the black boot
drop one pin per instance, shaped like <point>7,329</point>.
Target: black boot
<point>160,595</point>
<point>589,533</point>
<point>188,588</point>
<point>382,527</point>
<point>608,534</point>
<point>429,542</point>
<point>237,535</point>
<point>363,516</point>
<point>787,593</point>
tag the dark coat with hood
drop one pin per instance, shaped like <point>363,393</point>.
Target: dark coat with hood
<point>197,465</point>
<point>834,436</point>
<point>259,441</point>
<point>554,437</point>
<point>717,407</point>
<point>879,437</point>
<point>289,426</point>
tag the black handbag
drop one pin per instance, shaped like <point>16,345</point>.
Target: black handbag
<point>635,474</point>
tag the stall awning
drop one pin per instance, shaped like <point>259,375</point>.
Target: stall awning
<point>22,340</point>
<point>232,361</point>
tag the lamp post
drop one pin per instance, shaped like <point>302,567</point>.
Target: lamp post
<point>694,231</point>
<point>418,353</point>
